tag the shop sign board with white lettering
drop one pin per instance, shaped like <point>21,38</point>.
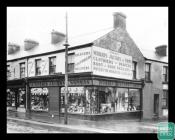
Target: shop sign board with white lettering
<point>103,62</point>
<point>110,63</point>
<point>83,60</point>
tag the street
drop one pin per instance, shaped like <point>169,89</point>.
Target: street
<point>123,127</point>
<point>14,127</point>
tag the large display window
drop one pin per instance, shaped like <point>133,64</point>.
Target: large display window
<point>109,100</point>
<point>39,99</point>
<point>76,100</point>
<point>91,100</point>
<point>10,98</point>
<point>100,100</point>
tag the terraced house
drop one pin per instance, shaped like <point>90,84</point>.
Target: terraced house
<point>109,76</point>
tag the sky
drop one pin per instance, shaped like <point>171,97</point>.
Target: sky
<point>147,26</point>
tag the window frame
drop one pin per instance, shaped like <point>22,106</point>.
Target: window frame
<point>165,98</point>
<point>8,71</point>
<point>148,79</point>
<point>165,75</point>
<point>52,66</point>
<point>134,69</point>
<point>71,63</point>
<point>36,68</point>
<point>20,64</point>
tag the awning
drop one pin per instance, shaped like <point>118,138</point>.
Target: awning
<point>39,91</point>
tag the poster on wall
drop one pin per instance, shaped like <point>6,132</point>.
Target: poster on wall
<point>110,63</point>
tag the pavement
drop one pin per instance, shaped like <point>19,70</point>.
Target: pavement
<point>82,126</point>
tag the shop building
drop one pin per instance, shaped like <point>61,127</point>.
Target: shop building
<point>106,76</point>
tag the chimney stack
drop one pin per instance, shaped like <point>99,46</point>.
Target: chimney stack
<point>119,20</point>
<point>161,50</point>
<point>30,44</point>
<point>13,48</point>
<point>57,37</point>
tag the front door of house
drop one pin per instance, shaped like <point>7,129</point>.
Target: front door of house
<point>156,104</point>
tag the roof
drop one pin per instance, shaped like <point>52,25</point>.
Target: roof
<point>46,46</point>
<point>150,54</point>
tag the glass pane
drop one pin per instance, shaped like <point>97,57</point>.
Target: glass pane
<point>147,67</point>
<point>38,62</point>
<point>121,101</point>
<point>76,100</point>
<point>39,100</point>
<point>71,58</point>
<point>71,67</point>
<point>134,100</point>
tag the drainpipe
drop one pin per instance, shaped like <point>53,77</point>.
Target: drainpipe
<point>27,91</point>
<point>141,99</point>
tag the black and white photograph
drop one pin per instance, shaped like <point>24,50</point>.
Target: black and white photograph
<point>87,69</point>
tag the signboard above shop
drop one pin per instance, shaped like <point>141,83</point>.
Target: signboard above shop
<point>110,63</point>
<point>103,62</point>
<point>39,91</point>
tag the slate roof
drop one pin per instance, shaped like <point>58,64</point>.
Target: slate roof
<point>151,54</point>
<point>46,46</point>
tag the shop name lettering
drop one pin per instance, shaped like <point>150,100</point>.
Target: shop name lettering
<point>60,83</point>
<point>104,83</point>
<point>43,84</point>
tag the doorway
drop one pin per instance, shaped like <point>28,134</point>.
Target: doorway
<point>156,104</point>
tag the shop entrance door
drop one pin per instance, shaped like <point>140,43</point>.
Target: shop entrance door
<point>156,104</point>
<point>20,97</point>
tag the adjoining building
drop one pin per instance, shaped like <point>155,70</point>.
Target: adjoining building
<point>110,77</point>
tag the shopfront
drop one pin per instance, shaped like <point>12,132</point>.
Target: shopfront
<point>39,99</point>
<point>102,99</point>
<point>89,97</point>
<point>16,95</point>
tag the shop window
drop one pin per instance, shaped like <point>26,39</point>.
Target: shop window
<point>147,72</point>
<point>52,65</point>
<point>39,99</point>
<point>71,57</point>
<point>22,70</point>
<point>76,100</point>
<point>118,99</point>
<point>121,100</point>
<point>134,69</point>
<point>165,99</point>
<point>10,98</point>
<point>165,74</point>
<point>38,66</point>
<point>8,71</point>
<point>134,100</point>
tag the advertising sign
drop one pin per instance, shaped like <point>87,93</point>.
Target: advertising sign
<point>83,60</point>
<point>110,63</point>
<point>39,91</point>
<point>103,62</point>
<point>79,90</point>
